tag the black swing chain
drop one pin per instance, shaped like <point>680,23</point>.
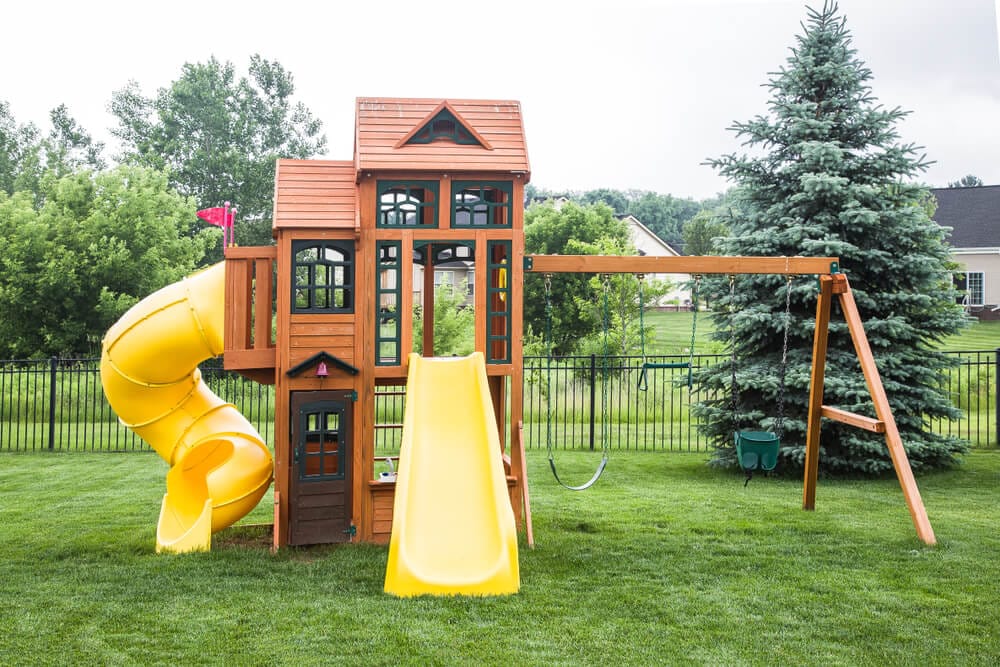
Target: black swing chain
<point>548,362</point>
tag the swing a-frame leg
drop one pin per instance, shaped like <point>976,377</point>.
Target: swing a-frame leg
<point>885,423</point>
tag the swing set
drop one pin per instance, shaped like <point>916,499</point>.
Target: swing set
<point>758,449</point>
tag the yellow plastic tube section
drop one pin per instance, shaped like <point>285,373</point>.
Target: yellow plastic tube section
<point>220,467</point>
<point>453,530</point>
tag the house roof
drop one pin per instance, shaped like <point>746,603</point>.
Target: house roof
<point>972,213</point>
<point>640,228</point>
<point>385,128</point>
<point>315,193</point>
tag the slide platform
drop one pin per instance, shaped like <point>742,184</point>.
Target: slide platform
<point>220,467</point>
<point>453,530</point>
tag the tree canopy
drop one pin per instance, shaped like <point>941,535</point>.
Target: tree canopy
<point>218,136</point>
<point>967,181</point>
<point>829,177</point>
<point>568,230</point>
<point>97,244</point>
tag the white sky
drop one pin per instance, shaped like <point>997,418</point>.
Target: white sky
<point>621,93</point>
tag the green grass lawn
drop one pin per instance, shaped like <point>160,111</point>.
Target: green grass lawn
<point>672,335</point>
<point>663,561</point>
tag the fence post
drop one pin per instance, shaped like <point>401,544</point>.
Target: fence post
<point>996,395</point>
<point>593,396</point>
<point>53,366</point>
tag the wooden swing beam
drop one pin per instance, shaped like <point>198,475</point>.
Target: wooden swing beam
<point>831,282</point>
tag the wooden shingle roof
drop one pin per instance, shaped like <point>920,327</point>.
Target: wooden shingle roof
<point>972,213</point>
<point>315,193</point>
<point>384,126</point>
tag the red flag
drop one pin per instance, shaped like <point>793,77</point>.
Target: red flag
<point>218,216</point>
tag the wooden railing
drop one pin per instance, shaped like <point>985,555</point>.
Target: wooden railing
<point>249,339</point>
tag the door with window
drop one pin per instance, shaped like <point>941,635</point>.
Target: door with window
<point>320,485</point>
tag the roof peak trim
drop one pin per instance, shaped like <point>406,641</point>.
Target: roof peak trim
<point>443,110</point>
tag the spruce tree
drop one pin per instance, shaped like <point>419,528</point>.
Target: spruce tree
<point>825,174</point>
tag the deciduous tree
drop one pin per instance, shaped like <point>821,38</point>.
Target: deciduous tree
<point>219,136</point>
<point>568,230</point>
<point>96,246</point>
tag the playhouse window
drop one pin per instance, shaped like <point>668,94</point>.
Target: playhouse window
<point>388,288</point>
<point>444,127</point>
<point>409,203</point>
<point>323,277</point>
<point>480,204</point>
<point>498,332</point>
<point>319,452</point>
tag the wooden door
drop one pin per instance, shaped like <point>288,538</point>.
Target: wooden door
<point>320,484</point>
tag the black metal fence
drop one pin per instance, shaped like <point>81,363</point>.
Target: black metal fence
<point>59,405</point>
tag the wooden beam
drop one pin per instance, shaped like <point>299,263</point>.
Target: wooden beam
<point>814,410</point>
<point>853,419</point>
<point>892,438</point>
<point>693,265</point>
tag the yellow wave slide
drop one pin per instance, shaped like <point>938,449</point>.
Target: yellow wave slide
<point>220,467</point>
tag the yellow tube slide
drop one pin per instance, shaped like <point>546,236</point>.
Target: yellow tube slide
<point>220,467</point>
<point>453,530</point>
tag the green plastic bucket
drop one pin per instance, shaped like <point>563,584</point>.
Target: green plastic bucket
<point>757,449</point>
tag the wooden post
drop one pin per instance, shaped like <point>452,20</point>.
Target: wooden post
<point>892,439</point>
<point>428,305</point>
<point>820,338</point>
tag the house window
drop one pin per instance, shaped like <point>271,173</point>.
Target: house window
<point>479,204</point>
<point>407,203</point>
<point>323,276</point>
<point>971,284</point>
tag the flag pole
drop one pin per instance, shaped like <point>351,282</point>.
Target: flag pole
<point>232,229</point>
<point>225,227</point>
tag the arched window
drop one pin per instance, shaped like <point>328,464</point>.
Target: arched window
<point>479,204</point>
<point>407,203</point>
<point>323,276</point>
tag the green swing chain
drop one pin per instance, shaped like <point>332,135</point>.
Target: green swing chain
<point>642,333</point>
<point>734,390</point>
<point>694,330</point>
<point>642,322</point>
<point>779,422</point>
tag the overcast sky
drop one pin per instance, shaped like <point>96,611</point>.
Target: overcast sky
<point>621,93</point>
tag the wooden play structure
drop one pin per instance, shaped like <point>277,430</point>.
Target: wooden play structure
<point>434,184</point>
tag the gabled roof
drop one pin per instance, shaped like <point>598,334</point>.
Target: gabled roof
<point>650,235</point>
<point>972,213</point>
<point>385,127</point>
<point>315,193</point>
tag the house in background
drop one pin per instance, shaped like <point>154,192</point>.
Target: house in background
<point>646,242</point>
<point>974,216</point>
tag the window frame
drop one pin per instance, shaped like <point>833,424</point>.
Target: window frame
<point>346,248</point>
<point>458,188</point>
<point>428,207</point>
